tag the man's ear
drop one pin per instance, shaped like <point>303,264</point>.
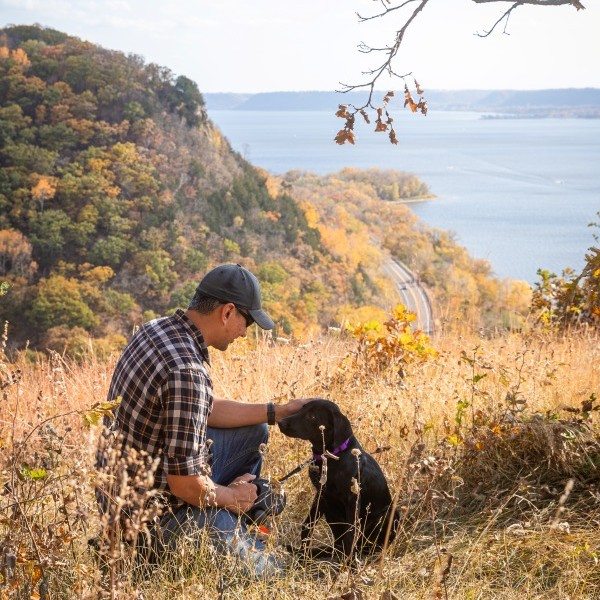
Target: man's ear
<point>226,310</point>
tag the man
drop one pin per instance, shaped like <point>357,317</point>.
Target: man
<point>204,451</point>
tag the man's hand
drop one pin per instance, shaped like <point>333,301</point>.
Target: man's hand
<point>291,407</point>
<point>244,493</point>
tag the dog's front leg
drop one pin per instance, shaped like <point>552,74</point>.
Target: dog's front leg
<point>348,534</point>
<point>309,523</point>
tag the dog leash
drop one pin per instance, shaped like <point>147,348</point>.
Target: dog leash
<point>315,458</point>
<point>296,470</point>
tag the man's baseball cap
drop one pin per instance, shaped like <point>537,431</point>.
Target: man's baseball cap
<point>233,283</point>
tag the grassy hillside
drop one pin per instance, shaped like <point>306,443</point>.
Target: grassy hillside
<point>492,450</point>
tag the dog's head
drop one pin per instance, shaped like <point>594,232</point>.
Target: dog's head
<point>317,421</point>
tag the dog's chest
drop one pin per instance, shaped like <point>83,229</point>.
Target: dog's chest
<point>332,481</point>
<point>314,473</point>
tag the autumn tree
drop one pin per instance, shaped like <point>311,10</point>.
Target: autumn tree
<point>117,193</point>
<point>43,190</point>
<point>573,298</point>
<point>406,12</point>
<point>15,254</point>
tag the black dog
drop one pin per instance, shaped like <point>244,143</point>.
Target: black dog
<point>353,491</point>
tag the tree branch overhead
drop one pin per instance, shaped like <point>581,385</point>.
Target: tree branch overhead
<point>391,53</point>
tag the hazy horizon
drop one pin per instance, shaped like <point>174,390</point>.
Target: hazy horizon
<point>239,47</point>
<point>379,90</point>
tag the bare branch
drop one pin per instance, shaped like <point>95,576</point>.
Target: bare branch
<point>365,49</point>
<point>391,51</point>
<point>574,3</point>
<point>506,16</point>
<point>386,11</point>
<point>348,112</point>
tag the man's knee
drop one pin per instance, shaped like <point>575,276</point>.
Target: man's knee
<point>189,522</point>
<point>249,436</point>
<point>261,433</point>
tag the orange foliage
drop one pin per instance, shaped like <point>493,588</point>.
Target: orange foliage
<point>20,57</point>
<point>44,190</point>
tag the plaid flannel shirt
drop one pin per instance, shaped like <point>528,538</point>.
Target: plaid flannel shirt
<point>166,398</point>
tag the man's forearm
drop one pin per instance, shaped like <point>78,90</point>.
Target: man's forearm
<point>230,413</point>
<point>200,490</point>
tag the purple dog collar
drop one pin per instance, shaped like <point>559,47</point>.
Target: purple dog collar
<point>337,451</point>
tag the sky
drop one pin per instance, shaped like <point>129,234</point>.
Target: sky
<point>250,46</point>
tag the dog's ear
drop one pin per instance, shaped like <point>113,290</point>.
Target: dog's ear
<point>342,429</point>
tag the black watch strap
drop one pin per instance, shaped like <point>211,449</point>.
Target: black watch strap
<point>270,413</point>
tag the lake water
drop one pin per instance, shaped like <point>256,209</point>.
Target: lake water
<point>517,192</point>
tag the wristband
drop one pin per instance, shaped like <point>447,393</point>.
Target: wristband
<point>270,413</point>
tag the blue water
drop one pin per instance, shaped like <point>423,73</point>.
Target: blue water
<point>519,193</point>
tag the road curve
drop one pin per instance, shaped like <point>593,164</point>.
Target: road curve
<point>412,294</point>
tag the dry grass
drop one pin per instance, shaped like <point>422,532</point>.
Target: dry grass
<point>476,445</point>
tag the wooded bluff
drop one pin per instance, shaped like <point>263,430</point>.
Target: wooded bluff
<point>117,193</point>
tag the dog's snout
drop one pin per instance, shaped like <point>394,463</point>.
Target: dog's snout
<point>289,426</point>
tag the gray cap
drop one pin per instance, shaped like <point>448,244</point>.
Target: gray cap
<point>233,283</point>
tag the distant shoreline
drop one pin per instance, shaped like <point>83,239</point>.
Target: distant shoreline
<point>537,115</point>
<point>413,200</point>
<point>491,104</point>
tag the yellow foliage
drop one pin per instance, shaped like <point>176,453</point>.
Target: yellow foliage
<point>311,214</point>
<point>166,197</point>
<point>361,314</point>
<point>517,295</point>
<point>216,139</point>
<point>347,238</point>
<point>335,241</point>
<point>44,189</point>
<point>15,254</point>
<point>20,57</point>
<point>96,275</point>
<point>391,344</point>
<point>98,165</point>
<point>273,186</point>
<point>99,410</point>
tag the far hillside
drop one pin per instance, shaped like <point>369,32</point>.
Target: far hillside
<point>568,102</point>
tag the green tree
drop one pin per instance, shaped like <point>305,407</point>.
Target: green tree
<point>109,251</point>
<point>58,301</point>
<point>188,101</point>
<point>49,231</point>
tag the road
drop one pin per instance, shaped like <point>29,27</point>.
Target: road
<point>412,294</point>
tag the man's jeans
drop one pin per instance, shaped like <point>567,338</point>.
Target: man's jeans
<point>235,452</point>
